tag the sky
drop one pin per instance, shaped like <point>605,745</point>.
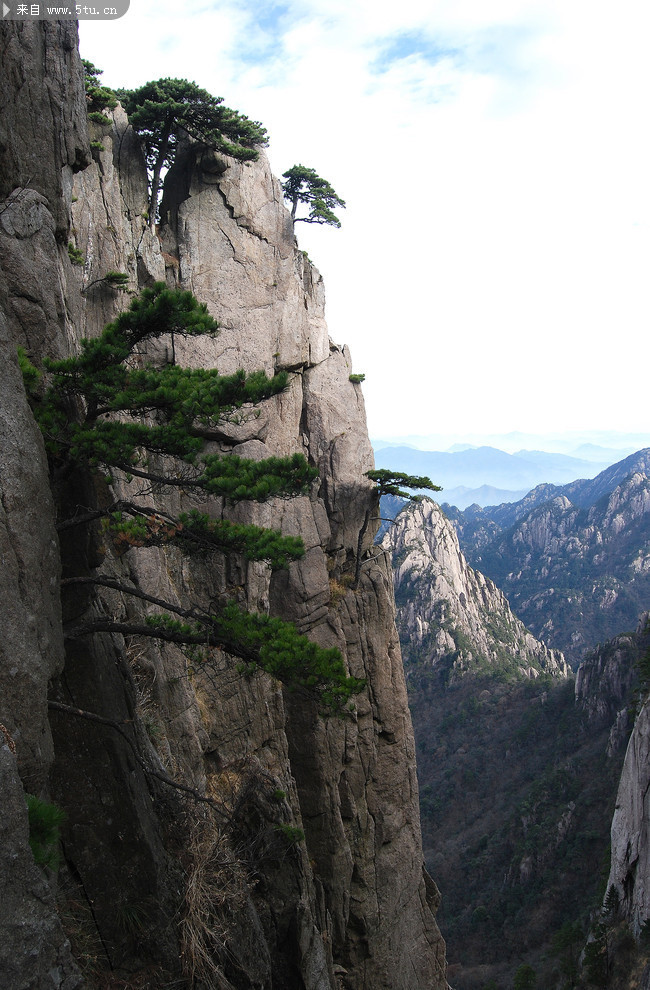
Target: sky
<point>491,273</point>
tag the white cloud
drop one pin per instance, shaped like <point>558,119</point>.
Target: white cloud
<point>493,262</point>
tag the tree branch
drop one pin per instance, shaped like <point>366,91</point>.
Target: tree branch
<point>212,636</point>
<point>135,592</point>
<point>149,771</point>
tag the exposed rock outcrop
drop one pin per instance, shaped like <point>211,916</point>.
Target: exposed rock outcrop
<point>630,864</point>
<point>630,835</point>
<point>348,905</point>
<point>606,679</point>
<point>451,616</point>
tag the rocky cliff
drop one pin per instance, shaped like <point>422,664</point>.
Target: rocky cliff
<point>450,616</point>
<point>310,876</point>
<point>607,680</point>
<point>630,869</point>
<point>630,860</point>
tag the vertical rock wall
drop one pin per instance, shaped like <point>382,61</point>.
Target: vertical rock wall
<point>630,863</point>
<point>348,906</point>
<point>355,779</point>
<point>43,139</point>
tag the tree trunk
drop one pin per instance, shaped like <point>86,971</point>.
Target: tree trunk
<point>362,533</point>
<point>157,169</point>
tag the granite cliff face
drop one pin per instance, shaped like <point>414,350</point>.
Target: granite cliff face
<point>606,680</point>
<point>128,728</point>
<point>450,616</point>
<point>630,865</point>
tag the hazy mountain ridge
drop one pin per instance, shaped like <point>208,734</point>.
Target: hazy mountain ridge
<point>583,492</point>
<point>611,444</point>
<point>486,474</point>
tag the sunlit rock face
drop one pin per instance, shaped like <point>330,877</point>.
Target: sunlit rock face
<point>630,863</point>
<point>451,615</point>
<point>355,780</point>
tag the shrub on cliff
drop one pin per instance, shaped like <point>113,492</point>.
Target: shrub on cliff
<point>45,820</point>
<point>104,409</point>
<point>98,97</point>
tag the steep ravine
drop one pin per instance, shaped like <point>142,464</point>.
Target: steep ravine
<point>348,906</point>
<point>518,772</point>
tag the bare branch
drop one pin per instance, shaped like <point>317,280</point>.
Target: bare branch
<point>158,774</point>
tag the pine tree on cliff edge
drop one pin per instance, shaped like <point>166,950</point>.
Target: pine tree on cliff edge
<point>162,110</point>
<point>304,185</point>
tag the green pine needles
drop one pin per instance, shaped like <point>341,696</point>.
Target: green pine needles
<point>393,483</point>
<point>164,110</point>
<point>45,820</point>
<point>104,410</point>
<point>196,532</point>
<point>98,97</point>
<point>184,402</point>
<point>303,185</point>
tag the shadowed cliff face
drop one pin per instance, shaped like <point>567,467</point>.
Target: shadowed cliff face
<point>348,905</point>
<point>630,865</point>
<point>39,76</point>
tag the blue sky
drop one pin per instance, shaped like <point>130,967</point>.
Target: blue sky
<point>491,273</point>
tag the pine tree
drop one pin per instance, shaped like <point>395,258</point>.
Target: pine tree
<point>389,483</point>
<point>99,410</point>
<point>162,110</point>
<point>304,185</point>
<point>394,483</point>
<point>98,97</point>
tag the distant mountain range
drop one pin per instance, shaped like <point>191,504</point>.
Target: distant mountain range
<point>575,443</point>
<point>573,560</point>
<point>488,476</point>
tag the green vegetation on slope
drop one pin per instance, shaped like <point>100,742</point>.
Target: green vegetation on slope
<point>516,793</point>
